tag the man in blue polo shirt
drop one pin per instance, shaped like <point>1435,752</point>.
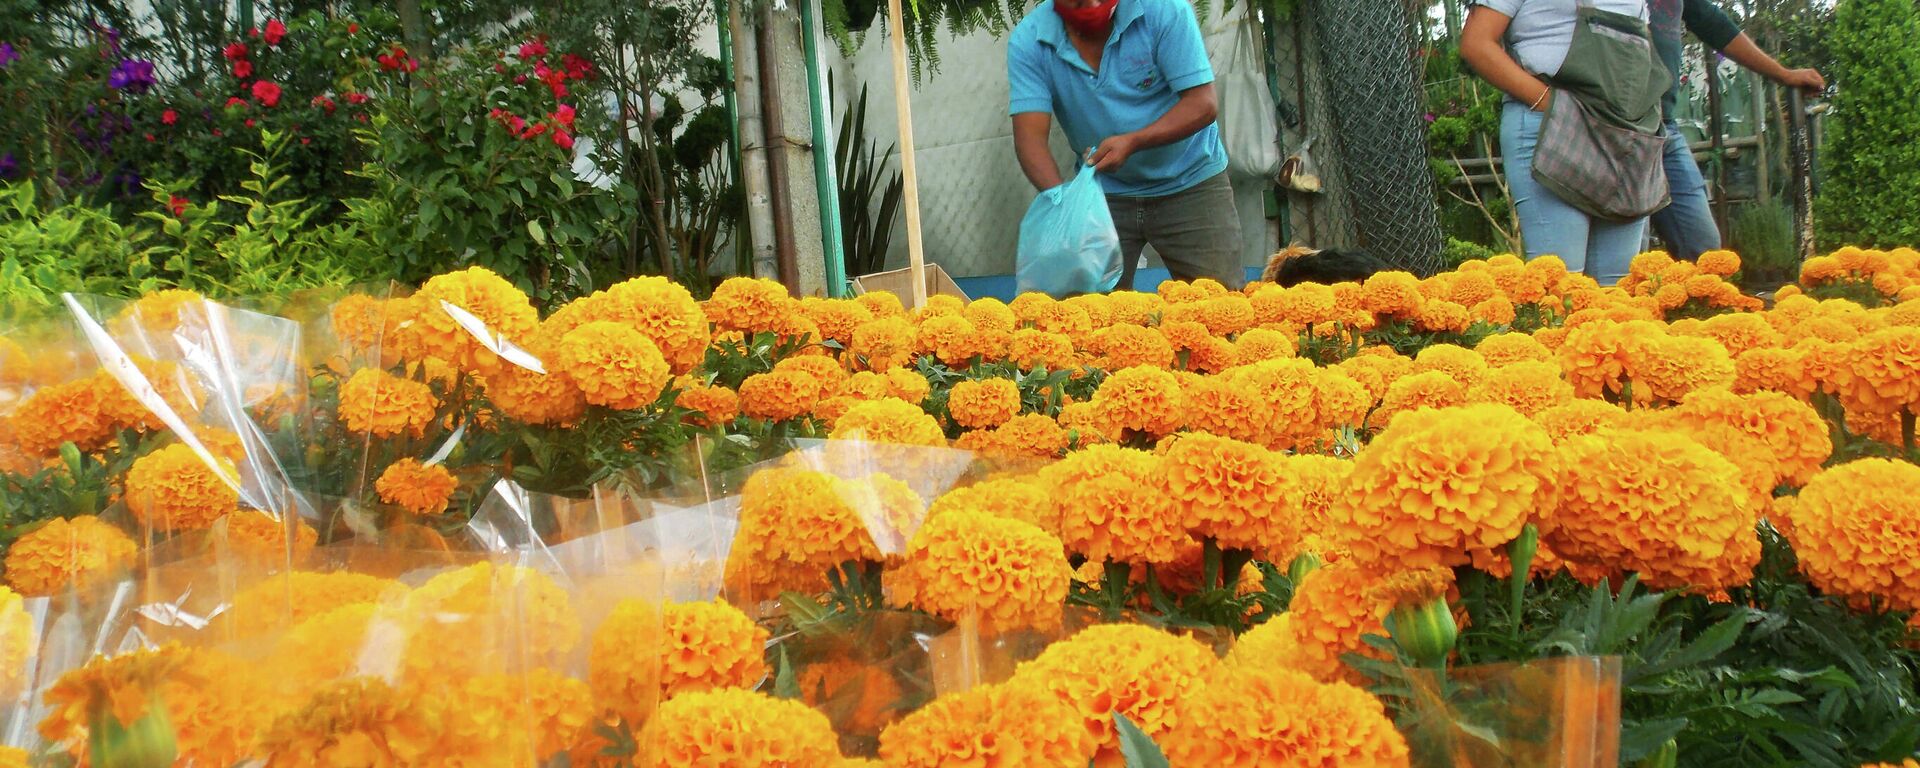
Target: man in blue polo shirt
<point>1130,82</point>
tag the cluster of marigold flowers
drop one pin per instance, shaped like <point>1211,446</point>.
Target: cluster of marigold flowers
<point>1649,428</point>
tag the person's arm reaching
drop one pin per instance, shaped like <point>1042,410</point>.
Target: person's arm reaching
<point>1030,146</point>
<point>1030,102</point>
<point>1480,47</point>
<point>1198,108</point>
<point>1718,30</point>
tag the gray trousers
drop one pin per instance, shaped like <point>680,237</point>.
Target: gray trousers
<point>1196,232</point>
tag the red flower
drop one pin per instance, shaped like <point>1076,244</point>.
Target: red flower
<point>564,115</point>
<point>216,132</point>
<point>577,68</point>
<point>562,138</point>
<point>410,64</point>
<point>356,98</point>
<point>537,129</point>
<point>236,51</point>
<point>362,117</point>
<point>242,69</point>
<point>254,32</point>
<point>169,117</point>
<point>267,93</point>
<point>249,122</point>
<point>276,32</point>
<point>532,49</point>
<point>235,101</point>
<point>304,140</point>
<point>517,125</point>
<point>324,103</point>
<point>518,79</point>
<point>500,68</point>
<point>353,28</point>
<point>150,137</point>
<point>178,205</point>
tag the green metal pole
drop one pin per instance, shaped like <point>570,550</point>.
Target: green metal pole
<point>825,179</point>
<point>742,232</point>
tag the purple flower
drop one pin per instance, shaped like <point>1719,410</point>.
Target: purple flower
<point>9,165</point>
<point>8,55</point>
<point>132,76</point>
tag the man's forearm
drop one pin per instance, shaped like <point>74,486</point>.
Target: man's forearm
<point>1744,52</point>
<point>1196,110</point>
<point>1037,163</point>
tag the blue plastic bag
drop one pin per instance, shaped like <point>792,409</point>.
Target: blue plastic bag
<point>1067,242</point>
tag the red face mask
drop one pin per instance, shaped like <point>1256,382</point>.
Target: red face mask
<point>1092,19</point>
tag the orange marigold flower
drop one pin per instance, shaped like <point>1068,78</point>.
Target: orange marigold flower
<point>1529,387</point>
<point>1212,355</point>
<point>1174,292</point>
<point>832,377</point>
<point>627,659</point>
<point>1430,389</point>
<point>1138,671</point>
<point>175,489</point>
<point>710,645</point>
<point>1219,405</point>
<point>1442,316</point>
<point>422,489</point>
<point>950,338</point>
<point>1796,440</point>
<point>1671,296</point>
<point>160,312</point>
<point>1594,356</point>
<point>889,421</point>
<point>1142,399</point>
<point>731,727</point>
<point>1086,424</point>
<point>1391,293</point>
<point>1464,365</point>
<point>657,307</point>
<point>287,599</point>
<point>712,405</point>
<point>505,312</point>
<point>1030,436</point>
<point>1657,503</point>
<point>991,314</point>
<point>354,721</point>
<point>67,553</point>
<point>1315,304</point>
<point>1504,349</point>
<point>749,304</point>
<point>1256,344</point>
<point>1520,285</point>
<point>57,414</point>
<point>1855,530</point>
<point>883,343</point>
<point>1227,315</point>
<point>1228,491</point>
<point>374,402</point>
<point>17,646</point>
<point>882,304</point>
<point>1375,372</point>
<point>1006,574</point>
<point>1023,499</point>
<point>1470,288</point>
<point>1133,307</point>
<point>1340,603</point>
<point>258,537</point>
<point>1246,718</point>
<point>1666,368</point>
<point>1769,369</point>
<point>779,395</point>
<point>1649,264</point>
<point>1740,332</point>
<point>1126,346</point>
<point>1886,371</point>
<point>1113,506</point>
<point>614,365</point>
<point>1009,725</point>
<point>1439,484</point>
<point>466,608</point>
<point>1062,317</point>
<point>836,318</point>
<point>531,397</point>
<point>1031,349</point>
<point>1185,335</point>
<point>213,705</point>
<point>1578,417</point>
<point>1497,310</point>
<point>983,404</point>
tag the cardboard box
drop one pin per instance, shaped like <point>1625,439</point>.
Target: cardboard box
<point>899,282</point>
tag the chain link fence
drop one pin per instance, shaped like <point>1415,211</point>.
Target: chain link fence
<point>1369,81</point>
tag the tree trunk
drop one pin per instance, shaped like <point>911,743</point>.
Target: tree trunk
<point>413,27</point>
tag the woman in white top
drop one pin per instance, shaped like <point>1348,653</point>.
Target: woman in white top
<point>1540,33</point>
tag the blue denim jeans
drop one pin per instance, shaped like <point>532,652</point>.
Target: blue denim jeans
<point>1686,226</point>
<point>1601,249</point>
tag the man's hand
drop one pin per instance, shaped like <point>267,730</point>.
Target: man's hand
<point>1113,153</point>
<point>1804,79</point>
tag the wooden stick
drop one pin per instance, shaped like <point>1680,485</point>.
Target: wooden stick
<point>910,181</point>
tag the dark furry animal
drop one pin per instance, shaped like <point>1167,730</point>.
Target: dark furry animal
<point>1299,264</point>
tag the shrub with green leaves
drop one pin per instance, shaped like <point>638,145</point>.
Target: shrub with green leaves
<point>1873,157</point>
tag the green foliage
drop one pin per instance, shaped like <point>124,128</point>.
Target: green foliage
<point>1136,746</point>
<point>256,243</point>
<point>82,484</point>
<point>1763,236</point>
<point>865,231</point>
<point>1459,252</point>
<point>1873,157</point>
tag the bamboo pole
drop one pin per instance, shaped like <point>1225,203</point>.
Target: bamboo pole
<point>910,181</point>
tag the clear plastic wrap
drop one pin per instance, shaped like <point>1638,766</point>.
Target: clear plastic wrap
<point>1556,713</point>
